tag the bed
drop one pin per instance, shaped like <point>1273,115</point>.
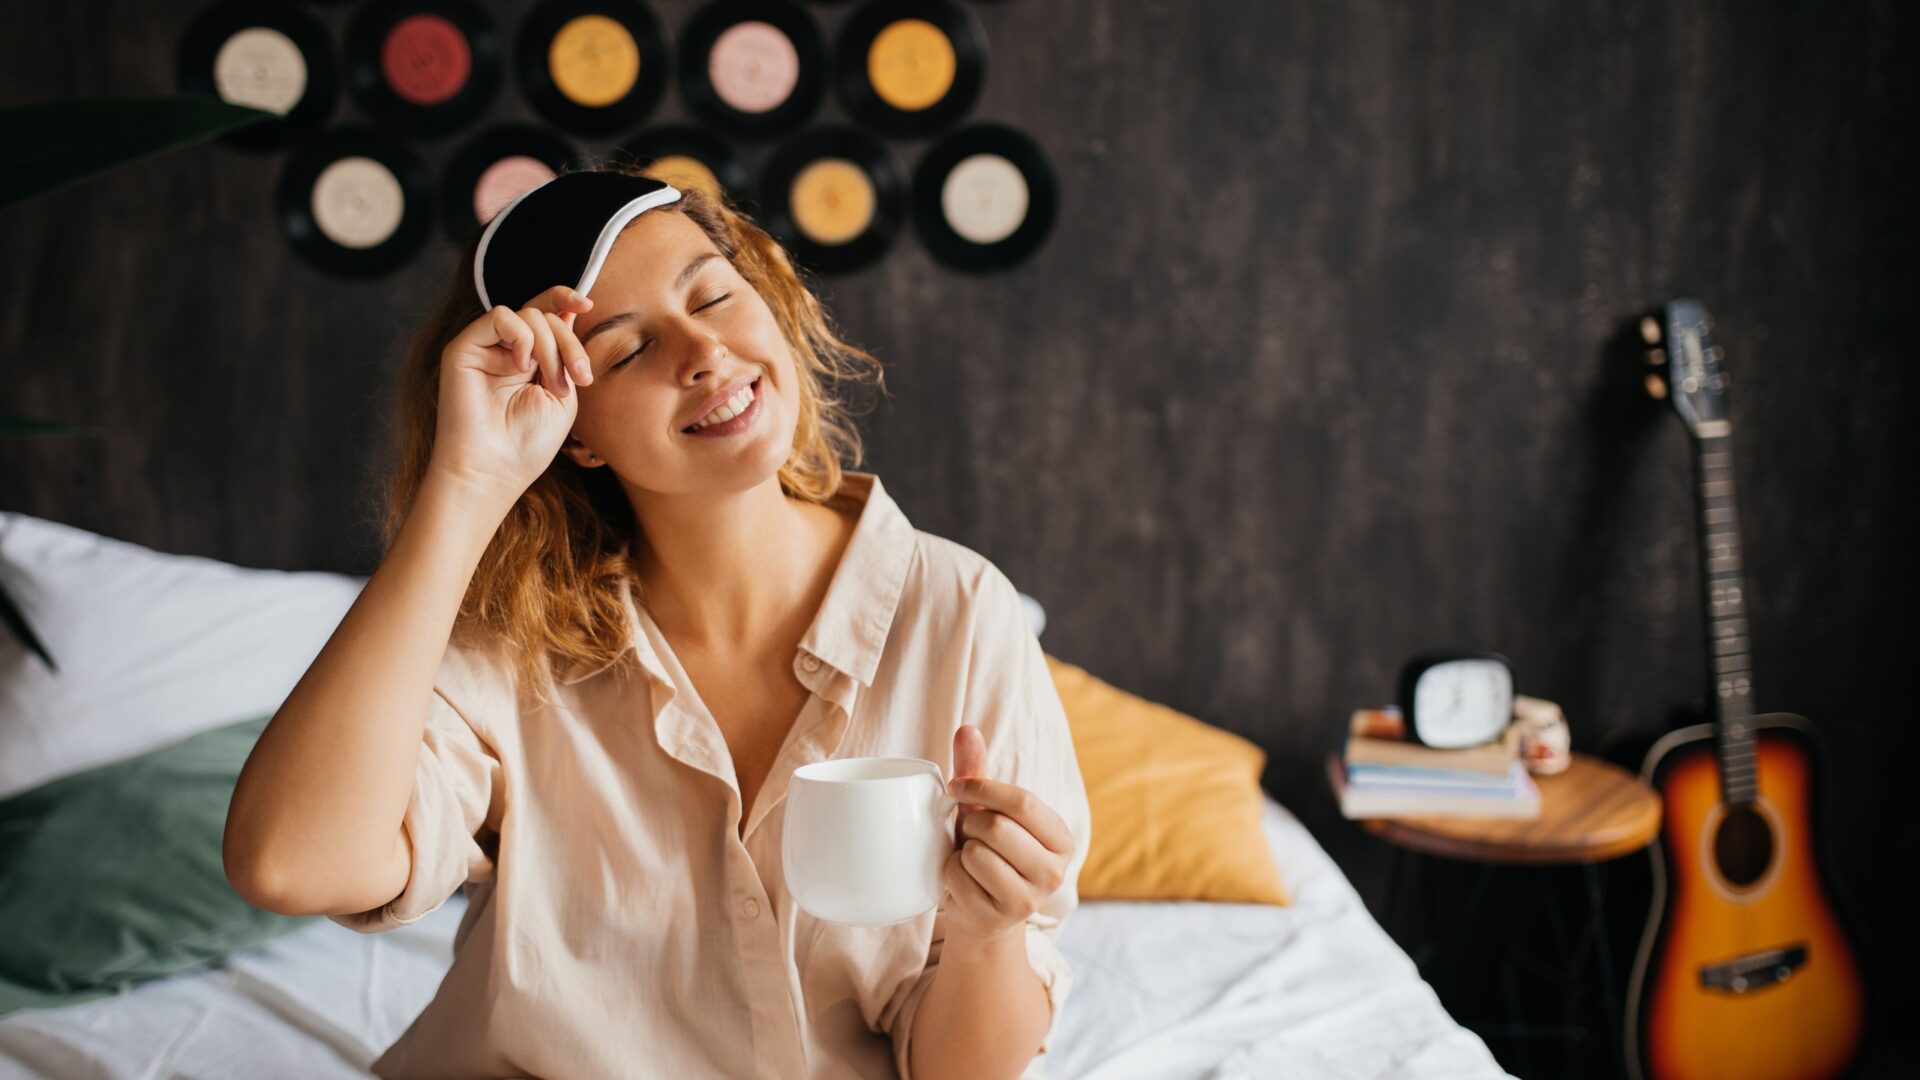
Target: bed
<point>154,647</point>
<point>1161,990</point>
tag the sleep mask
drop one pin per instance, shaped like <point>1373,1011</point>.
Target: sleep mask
<point>559,232</point>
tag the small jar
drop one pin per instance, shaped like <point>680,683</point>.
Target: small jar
<point>1546,745</point>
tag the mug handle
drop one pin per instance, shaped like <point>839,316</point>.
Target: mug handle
<point>946,804</point>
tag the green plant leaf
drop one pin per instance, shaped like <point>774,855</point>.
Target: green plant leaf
<point>54,145</point>
<point>26,425</point>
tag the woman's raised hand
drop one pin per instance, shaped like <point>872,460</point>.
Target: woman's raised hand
<point>508,394</point>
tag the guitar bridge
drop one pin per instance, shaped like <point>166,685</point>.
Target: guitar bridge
<point>1754,970</point>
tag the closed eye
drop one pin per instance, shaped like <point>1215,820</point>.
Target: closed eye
<point>643,346</point>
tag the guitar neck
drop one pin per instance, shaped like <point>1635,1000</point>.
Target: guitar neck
<point>1727,644</point>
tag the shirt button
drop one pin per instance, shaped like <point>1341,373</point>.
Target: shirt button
<point>811,663</point>
<point>751,908</point>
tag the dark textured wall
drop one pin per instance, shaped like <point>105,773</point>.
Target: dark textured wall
<point>1311,375</point>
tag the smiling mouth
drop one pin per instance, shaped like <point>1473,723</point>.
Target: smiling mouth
<point>723,426</point>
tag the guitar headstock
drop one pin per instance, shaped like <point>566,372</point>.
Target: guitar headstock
<point>1686,365</point>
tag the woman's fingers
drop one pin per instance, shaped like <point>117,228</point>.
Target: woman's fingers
<point>507,330</point>
<point>561,299</point>
<point>538,336</point>
<point>545,352</point>
<point>574,353</point>
<point>567,305</point>
<point>564,359</point>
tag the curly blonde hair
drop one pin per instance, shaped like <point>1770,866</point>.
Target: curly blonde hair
<point>550,586</point>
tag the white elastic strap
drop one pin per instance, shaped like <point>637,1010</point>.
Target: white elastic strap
<point>611,231</point>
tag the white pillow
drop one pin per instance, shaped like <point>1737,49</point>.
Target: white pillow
<point>150,647</point>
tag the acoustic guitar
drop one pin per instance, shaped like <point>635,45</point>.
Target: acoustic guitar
<point>1746,968</point>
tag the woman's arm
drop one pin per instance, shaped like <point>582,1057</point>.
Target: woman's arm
<point>315,822</point>
<point>1013,878</point>
<point>984,1014</point>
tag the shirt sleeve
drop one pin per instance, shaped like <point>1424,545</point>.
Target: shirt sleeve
<point>456,782</point>
<point>1011,698</point>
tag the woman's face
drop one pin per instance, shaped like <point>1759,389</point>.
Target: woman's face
<point>662,343</point>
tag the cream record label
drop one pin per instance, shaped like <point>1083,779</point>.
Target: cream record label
<point>984,198</point>
<point>261,67</point>
<point>263,54</point>
<point>355,201</point>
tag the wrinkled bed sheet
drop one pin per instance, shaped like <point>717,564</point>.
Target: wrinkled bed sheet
<point>1161,991</point>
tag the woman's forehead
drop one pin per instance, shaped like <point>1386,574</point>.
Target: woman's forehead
<point>650,252</point>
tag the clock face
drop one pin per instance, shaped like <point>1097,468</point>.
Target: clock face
<point>1460,703</point>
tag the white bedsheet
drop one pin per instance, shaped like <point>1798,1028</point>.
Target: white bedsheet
<point>1161,991</point>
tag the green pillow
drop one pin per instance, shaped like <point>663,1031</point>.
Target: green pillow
<point>113,876</point>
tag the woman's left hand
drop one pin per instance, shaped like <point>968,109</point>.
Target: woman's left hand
<point>1010,848</point>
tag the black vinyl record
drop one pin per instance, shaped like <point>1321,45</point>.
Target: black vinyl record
<point>470,163</point>
<point>967,208</point>
<point>595,65</point>
<point>708,102</point>
<point>882,171</point>
<point>853,77</point>
<point>423,67</point>
<point>710,150</point>
<point>375,212</point>
<point>261,51</point>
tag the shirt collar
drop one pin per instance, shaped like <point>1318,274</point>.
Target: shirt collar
<point>851,627</point>
<point>850,630</point>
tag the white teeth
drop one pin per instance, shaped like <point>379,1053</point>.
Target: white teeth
<point>728,409</point>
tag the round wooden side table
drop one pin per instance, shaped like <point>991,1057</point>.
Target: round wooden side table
<point>1593,812</point>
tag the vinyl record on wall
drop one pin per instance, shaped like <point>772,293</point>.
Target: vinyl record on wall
<point>754,68</point>
<point>691,157</point>
<point>496,167</point>
<point>909,67</point>
<point>424,67</point>
<point>355,201</point>
<point>265,54</point>
<point>592,66</point>
<point>835,196</point>
<point>983,198</point>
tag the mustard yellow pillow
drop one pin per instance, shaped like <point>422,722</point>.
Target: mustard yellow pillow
<point>1175,802</point>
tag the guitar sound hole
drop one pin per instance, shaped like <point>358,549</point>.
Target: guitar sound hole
<point>1743,846</point>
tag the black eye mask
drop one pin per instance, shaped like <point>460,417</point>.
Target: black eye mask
<point>559,233</point>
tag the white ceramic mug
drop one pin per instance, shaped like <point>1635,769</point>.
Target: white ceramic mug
<point>865,839</point>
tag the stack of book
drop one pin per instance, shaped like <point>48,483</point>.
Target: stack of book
<point>1385,774</point>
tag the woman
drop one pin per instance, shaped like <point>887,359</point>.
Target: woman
<point>628,590</point>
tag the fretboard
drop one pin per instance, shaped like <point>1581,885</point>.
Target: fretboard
<point>1726,591</point>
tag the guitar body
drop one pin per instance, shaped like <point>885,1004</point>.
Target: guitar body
<point>1746,968</point>
<point>1741,896</point>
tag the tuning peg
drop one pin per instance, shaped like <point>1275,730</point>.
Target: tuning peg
<point>1656,387</point>
<point>1650,330</point>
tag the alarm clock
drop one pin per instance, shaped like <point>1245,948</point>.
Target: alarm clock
<point>1454,699</point>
